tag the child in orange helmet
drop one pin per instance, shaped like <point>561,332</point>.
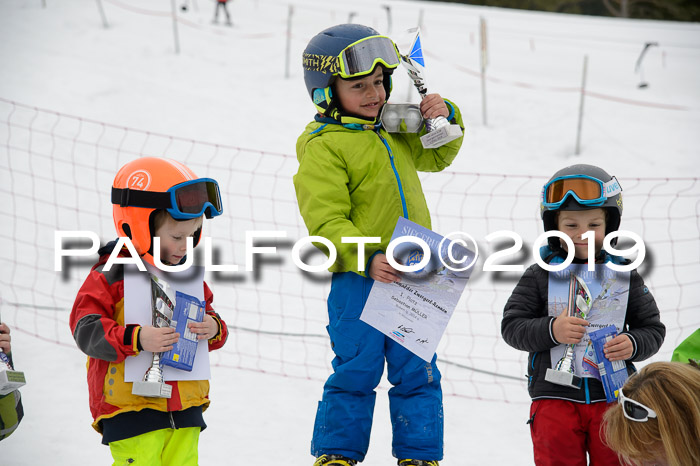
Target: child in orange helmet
<point>151,197</point>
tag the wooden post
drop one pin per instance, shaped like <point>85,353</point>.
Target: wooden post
<point>290,12</point>
<point>102,14</point>
<point>175,33</point>
<point>388,18</point>
<point>484,62</point>
<point>580,107</point>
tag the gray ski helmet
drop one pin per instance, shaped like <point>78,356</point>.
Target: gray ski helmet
<point>612,205</point>
<point>319,62</point>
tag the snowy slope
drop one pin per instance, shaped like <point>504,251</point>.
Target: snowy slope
<point>228,86</point>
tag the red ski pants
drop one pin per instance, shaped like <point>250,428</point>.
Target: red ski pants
<point>563,432</point>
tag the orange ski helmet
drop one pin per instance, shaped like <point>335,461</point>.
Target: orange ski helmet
<point>145,185</point>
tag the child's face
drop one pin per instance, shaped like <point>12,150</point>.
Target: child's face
<point>173,239</point>
<point>363,96</point>
<point>574,223</point>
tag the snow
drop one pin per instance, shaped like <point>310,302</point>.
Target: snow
<point>227,86</point>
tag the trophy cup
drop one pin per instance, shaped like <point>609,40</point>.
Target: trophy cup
<point>162,307</point>
<point>578,306</point>
<point>439,130</point>
<point>10,379</point>
<point>401,118</point>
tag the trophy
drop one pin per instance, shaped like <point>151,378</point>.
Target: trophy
<point>401,118</point>
<point>578,306</point>
<point>439,130</point>
<point>162,306</point>
<point>10,379</point>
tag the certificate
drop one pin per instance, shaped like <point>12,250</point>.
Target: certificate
<point>415,311</point>
<point>137,310</point>
<point>609,294</point>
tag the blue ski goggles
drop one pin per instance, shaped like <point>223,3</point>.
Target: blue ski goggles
<point>586,190</point>
<point>184,201</point>
<point>634,410</point>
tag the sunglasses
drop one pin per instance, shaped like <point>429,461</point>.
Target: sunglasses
<point>586,190</point>
<point>184,201</point>
<point>634,410</point>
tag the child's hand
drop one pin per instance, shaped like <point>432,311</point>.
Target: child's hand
<point>619,348</point>
<point>5,338</point>
<point>381,271</point>
<point>206,329</point>
<point>433,106</point>
<point>157,340</point>
<point>568,329</point>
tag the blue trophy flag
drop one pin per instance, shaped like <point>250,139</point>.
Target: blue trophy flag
<point>416,53</point>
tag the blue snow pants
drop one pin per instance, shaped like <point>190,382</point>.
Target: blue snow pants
<point>344,415</point>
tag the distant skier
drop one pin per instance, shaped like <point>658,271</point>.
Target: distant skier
<point>221,5</point>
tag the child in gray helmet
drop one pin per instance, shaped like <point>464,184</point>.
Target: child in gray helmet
<point>565,421</point>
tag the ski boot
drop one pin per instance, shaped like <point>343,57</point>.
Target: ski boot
<point>418,463</point>
<point>334,460</point>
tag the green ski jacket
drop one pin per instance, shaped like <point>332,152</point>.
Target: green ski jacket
<point>357,180</point>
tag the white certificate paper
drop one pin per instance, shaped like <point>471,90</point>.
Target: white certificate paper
<point>137,310</point>
<point>415,311</point>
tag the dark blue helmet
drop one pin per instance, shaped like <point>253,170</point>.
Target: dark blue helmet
<point>345,50</point>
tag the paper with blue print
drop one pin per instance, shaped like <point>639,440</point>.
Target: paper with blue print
<point>415,312</point>
<point>609,294</point>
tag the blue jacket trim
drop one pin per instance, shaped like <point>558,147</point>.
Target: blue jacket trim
<point>396,173</point>
<point>369,262</point>
<point>319,129</point>
<point>452,111</point>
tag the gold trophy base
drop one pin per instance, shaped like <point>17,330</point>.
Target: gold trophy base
<point>563,378</point>
<point>152,389</point>
<point>440,136</point>
<point>10,381</point>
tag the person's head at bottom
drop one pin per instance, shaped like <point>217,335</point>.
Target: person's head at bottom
<point>657,418</point>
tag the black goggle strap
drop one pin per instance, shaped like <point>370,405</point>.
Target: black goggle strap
<point>136,198</point>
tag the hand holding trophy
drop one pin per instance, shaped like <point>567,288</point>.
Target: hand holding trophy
<point>162,306</point>
<point>578,306</point>
<point>10,379</point>
<point>440,131</point>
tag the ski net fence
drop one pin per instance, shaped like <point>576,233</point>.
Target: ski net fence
<point>56,172</point>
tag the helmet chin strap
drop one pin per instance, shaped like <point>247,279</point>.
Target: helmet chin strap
<point>349,118</point>
<point>327,102</point>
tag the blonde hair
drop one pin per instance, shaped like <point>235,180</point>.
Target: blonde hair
<point>672,390</point>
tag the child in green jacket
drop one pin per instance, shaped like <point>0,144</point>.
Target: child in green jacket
<point>11,410</point>
<point>355,180</point>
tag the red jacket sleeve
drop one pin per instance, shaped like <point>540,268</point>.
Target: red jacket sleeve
<point>93,319</point>
<point>220,338</point>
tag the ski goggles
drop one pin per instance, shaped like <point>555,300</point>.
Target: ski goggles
<point>183,201</point>
<point>357,59</point>
<point>361,57</point>
<point>585,189</point>
<point>634,410</point>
